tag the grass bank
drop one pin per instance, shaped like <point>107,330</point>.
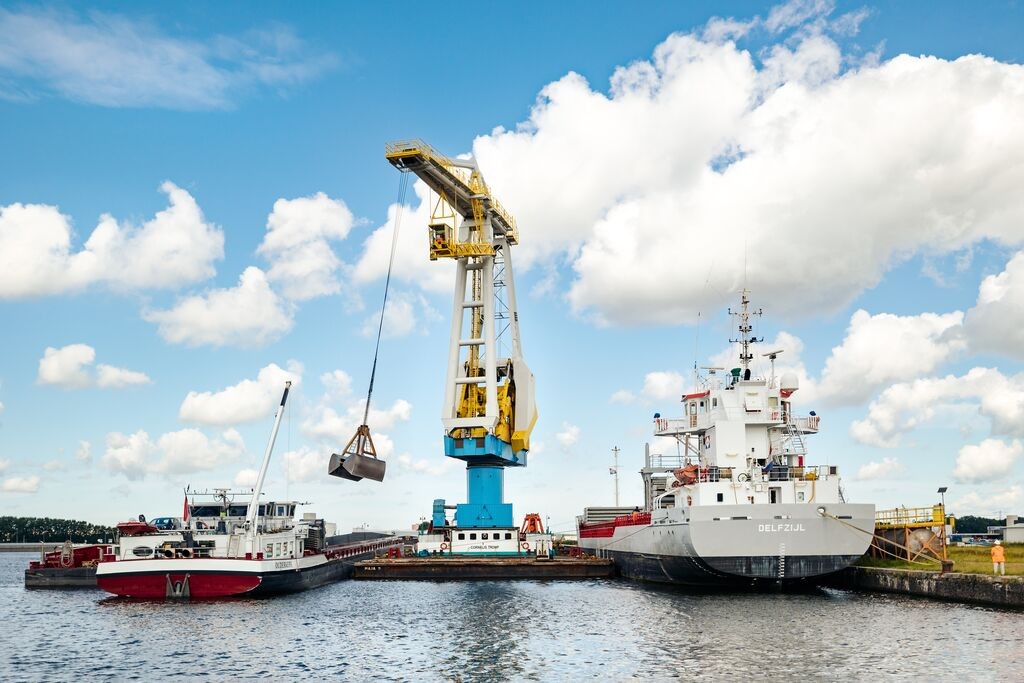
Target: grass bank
<point>966,559</point>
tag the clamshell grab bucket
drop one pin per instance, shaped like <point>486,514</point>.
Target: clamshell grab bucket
<point>359,459</point>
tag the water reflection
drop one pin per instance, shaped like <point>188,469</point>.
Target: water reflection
<point>528,630</point>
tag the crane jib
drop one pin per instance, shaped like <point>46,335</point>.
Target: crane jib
<point>488,410</point>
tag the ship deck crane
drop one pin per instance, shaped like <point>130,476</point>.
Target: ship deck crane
<point>489,409</point>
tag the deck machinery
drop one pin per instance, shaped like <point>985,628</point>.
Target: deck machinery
<point>489,409</point>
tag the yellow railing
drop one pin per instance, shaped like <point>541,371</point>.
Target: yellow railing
<point>401,149</point>
<point>909,517</point>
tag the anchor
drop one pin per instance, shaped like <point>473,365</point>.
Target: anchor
<point>177,590</point>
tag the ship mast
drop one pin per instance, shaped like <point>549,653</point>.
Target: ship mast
<point>254,503</point>
<point>744,327</point>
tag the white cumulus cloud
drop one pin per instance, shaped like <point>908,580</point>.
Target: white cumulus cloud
<point>181,452</point>
<point>412,264</point>
<point>405,314</point>
<point>990,460</point>
<point>884,348</point>
<point>337,384</point>
<point>622,396</point>
<point>904,406</point>
<point>247,315</point>
<point>569,435</point>
<point>69,367</point>
<point>996,322</point>
<point>84,452</point>
<point>66,366</point>
<point>663,385</point>
<point>109,377</point>
<point>327,424</point>
<point>247,401</point>
<point>28,484</point>
<point>112,60</point>
<point>989,503</point>
<point>176,247</point>
<point>297,245</point>
<point>305,464</point>
<point>246,479</point>
<point>851,165</point>
<point>882,469</point>
<point>433,467</point>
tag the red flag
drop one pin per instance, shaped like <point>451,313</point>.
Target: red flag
<point>185,514</point>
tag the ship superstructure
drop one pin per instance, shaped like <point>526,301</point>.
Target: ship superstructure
<point>738,502</point>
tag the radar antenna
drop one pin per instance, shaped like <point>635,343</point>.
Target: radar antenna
<point>744,327</point>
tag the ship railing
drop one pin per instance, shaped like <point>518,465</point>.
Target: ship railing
<point>801,473</point>
<point>806,423</point>
<point>909,517</point>
<point>668,426</point>
<point>675,425</point>
<point>670,461</point>
<point>632,519</point>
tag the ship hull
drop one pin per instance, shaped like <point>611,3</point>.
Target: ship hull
<point>219,578</point>
<point>737,546</point>
<point>210,577</point>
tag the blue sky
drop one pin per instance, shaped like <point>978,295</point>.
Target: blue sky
<point>864,157</point>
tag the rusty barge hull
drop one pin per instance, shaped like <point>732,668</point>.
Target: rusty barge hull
<point>59,577</point>
<point>504,568</point>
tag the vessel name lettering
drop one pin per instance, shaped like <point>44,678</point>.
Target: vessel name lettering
<point>282,565</point>
<point>774,528</point>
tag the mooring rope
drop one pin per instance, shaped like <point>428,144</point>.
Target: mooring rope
<point>883,538</point>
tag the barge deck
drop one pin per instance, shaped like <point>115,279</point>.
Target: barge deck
<point>462,568</point>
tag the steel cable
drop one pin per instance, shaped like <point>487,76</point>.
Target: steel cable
<point>403,185</point>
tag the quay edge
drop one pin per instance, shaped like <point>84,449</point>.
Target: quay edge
<point>982,589</point>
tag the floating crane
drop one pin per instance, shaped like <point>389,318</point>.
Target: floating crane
<point>489,409</point>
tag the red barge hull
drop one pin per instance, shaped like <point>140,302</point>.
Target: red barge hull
<point>210,578</point>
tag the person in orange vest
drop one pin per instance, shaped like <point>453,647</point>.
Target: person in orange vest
<point>998,559</point>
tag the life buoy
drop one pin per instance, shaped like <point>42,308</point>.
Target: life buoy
<point>743,476</point>
<point>444,546</point>
<point>689,500</point>
<point>707,441</point>
<point>526,546</point>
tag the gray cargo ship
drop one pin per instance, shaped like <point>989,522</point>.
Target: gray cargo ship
<point>738,505</point>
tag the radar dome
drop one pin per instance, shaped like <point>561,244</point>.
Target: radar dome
<point>788,384</point>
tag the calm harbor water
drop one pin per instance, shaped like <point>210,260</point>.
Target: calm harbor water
<point>528,630</point>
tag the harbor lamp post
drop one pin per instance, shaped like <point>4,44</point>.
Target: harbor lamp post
<point>614,471</point>
<point>942,493</point>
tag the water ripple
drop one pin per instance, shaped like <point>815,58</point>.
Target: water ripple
<point>485,631</point>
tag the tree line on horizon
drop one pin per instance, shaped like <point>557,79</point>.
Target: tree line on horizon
<point>50,530</point>
<point>969,524</point>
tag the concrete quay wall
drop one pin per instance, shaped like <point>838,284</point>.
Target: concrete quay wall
<point>1006,591</point>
